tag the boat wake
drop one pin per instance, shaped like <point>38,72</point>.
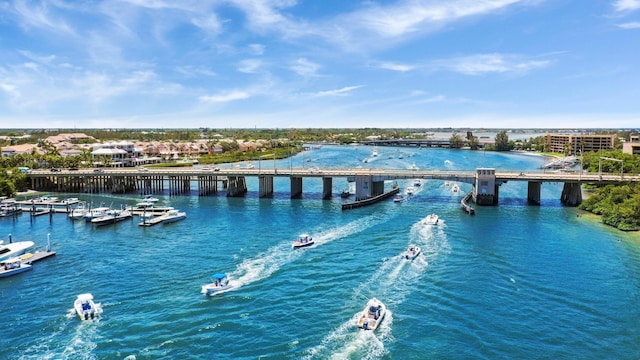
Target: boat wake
<point>394,280</point>
<point>271,260</point>
<point>81,344</point>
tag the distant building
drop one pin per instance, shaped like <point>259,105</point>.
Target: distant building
<point>573,144</point>
<point>18,149</point>
<point>121,153</point>
<point>632,146</point>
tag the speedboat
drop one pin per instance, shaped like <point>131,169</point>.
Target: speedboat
<point>303,241</point>
<point>112,217</point>
<point>409,190</point>
<point>96,212</point>
<point>150,198</point>
<point>455,188</point>
<point>431,219</point>
<point>372,315</point>
<point>219,285</point>
<point>172,216</point>
<point>399,198</point>
<point>13,266</point>
<point>86,308</point>
<point>79,212</point>
<point>412,252</point>
<point>14,249</point>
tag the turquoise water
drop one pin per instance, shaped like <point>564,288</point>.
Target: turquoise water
<point>514,281</point>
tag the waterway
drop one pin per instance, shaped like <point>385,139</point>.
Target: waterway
<point>513,282</point>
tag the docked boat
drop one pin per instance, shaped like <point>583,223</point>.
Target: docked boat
<point>79,212</point>
<point>303,240</point>
<point>112,217</point>
<point>13,266</point>
<point>432,219</point>
<point>220,284</point>
<point>86,308</point>
<point>412,252</point>
<point>14,249</point>
<point>172,215</point>
<point>96,212</point>
<point>9,207</point>
<point>372,315</point>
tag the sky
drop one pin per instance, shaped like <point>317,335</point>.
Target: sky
<point>320,64</point>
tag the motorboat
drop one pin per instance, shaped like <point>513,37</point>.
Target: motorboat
<point>96,212</point>
<point>112,217</point>
<point>172,215</point>
<point>417,183</point>
<point>374,153</point>
<point>150,199</point>
<point>345,194</point>
<point>14,249</point>
<point>13,266</point>
<point>399,198</point>
<point>79,212</point>
<point>411,253</point>
<point>372,315</point>
<point>455,188</point>
<point>9,207</point>
<point>303,240</point>
<point>409,190</point>
<point>432,219</point>
<point>220,284</point>
<point>414,167</point>
<point>86,308</point>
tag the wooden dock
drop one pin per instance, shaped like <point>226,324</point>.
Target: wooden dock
<point>30,258</point>
<point>152,221</point>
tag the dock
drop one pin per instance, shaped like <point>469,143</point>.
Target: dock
<point>152,221</point>
<point>37,256</point>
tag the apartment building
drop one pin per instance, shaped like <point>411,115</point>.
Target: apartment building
<point>573,144</point>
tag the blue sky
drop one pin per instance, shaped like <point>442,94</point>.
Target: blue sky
<point>320,63</point>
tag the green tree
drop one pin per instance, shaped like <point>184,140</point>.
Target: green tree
<point>456,141</point>
<point>502,141</point>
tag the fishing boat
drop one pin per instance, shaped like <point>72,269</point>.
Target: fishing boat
<point>303,240</point>
<point>86,308</point>
<point>112,217</point>
<point>14,249</point>
<point>13,266</point>
<point>411,253</point>
<point>220,284</point>
<point>432,219</point>
<point>372,315</point>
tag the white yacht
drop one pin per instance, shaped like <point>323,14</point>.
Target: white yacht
<point>14,249</point>
<point>96,212</point>
<point>372,315</point>
<point>112,217</point>
<point>86,308</point>
<point>79,212</point>
<point>173,215</point>
<point>431,220</point>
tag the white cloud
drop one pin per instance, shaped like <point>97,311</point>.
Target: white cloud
<point>630,25</point>
<point>395,67</point>
<point>304,67</point>
<point>233,95</point>
<point>626,5</point>
<point>257,49</point>
<point>209,23</point>
<point>338,92</point>
<point>11,90</point>
<point>491,63</point>
<point>249,66</point>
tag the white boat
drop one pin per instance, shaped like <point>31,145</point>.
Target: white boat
<point>447,183</point>
<point>79,212</point>
<point>431,219</point>
<point>150,199</point>
<point>303,240</point>
<point>414,167</point>
<point>173,215</point>
<point>220,284</point>
<point>13,266</point>
<point>96,212</point>
<point>9,207</point>
<point>372,315</point>
<point>417,183</point>
<point>412,252</point>
<point>409,190</point>
<point>86,308</point>
<point>112,217</point>
<point>455,188</point>
<point>14,249</point>
<point>399,198</point>
<point>374,153</point>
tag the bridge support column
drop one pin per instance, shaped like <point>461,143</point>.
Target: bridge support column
<point>486,188</point>
<point>265,186</point>
<point>296,187</point>
<point>364,187</point>
<point>236,186</point>
<point>327,184</point>
<point>377,188</point>
<point>533,192</point>
<point>571,194</point>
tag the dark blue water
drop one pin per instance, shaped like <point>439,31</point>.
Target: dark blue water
<point>514,281</point>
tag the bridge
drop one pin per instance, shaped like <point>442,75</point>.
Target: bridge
<point>369,182</point>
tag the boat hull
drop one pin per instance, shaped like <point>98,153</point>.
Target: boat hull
<point>372,315</point>
<point>14,271</point>
<point>411,253</point>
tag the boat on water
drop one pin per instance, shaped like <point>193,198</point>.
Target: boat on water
<point>414,167</point>
<point>303,240</point>
<point>432,219</point>
<point>9,207</point>
<point>345,194</point>
<point>399,198</point>
<point>13,266</point>
<point>96,212</point>
<point>455,188</point>
<point>417,183</point>
<point>150,199</point>
<point>220,284</point>
<point>409,190</point>
<point>374,153</point>
<point>170,216</point>
<point>14,249</point>
<point>86,308</point>
<point>112,217</point>
<point>372,315</point>
<point>147,208</point>
<point>412,252</point>
<point>79,212</point>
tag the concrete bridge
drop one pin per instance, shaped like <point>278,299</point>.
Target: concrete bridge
<point>369,182</point>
